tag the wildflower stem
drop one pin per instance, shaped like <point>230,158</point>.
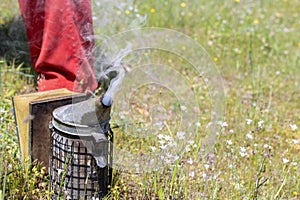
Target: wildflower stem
<point>258,182</point>
<point>251,60</point>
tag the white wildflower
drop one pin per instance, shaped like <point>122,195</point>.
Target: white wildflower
<point>209,124</point>
<point>168,161</point>
<point>169,155</point>
<point>191,142</point>
<point>198,124</point>
<point>285,160</point>
<point>295,141</point>
<point>260,123</point>
<point>294,163</point>
<point>277,73</point>
<point>152,148</point>
<point>175,157</point>
<point>190,161</point>
<point>187,148</point>
<point>248,121</point>
<point>191,174</point>
<point>243,149</point>
<point>159,125</point>
<point>152,162</point>
<point>267,110</point>
<point>180,135</point>
<point>268,146</point>
<point>229,142</point>
<point>172,144</point>
<point>168,138</point>
<point>223,124</point>
<point>160,136</point>
<point>238,186</point>
<point>183,108</point>
<point>161,142</point>
<point>249,136</point>
<point>243,154</point>
<point>206,166</point>
<point>293,127</point>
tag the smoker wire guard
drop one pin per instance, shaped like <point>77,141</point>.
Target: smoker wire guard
<point>60,136</point>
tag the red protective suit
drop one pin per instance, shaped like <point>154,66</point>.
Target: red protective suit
<point>60,35</point>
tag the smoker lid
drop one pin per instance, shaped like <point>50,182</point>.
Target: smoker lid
<point>78,119</point>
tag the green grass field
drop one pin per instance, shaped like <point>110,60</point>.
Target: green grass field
<point>255,45</point>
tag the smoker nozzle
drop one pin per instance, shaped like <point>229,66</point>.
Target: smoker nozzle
<point>106,100</point>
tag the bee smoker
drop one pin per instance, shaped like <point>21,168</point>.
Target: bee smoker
<point>81,149</point>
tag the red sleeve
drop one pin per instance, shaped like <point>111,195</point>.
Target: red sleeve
<point>60,35</point>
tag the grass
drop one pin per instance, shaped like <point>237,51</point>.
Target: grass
<point>17,180</point>
<point>256,47</point>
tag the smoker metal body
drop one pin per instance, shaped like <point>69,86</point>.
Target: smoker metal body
<point>80,157</point>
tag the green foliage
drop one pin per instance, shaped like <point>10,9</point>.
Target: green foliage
<point>256,47</point>
<point>18,179</point>
<point>13,40</point>
<point>13,43</point>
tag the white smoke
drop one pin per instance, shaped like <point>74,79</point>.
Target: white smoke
<point>109,18</point>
